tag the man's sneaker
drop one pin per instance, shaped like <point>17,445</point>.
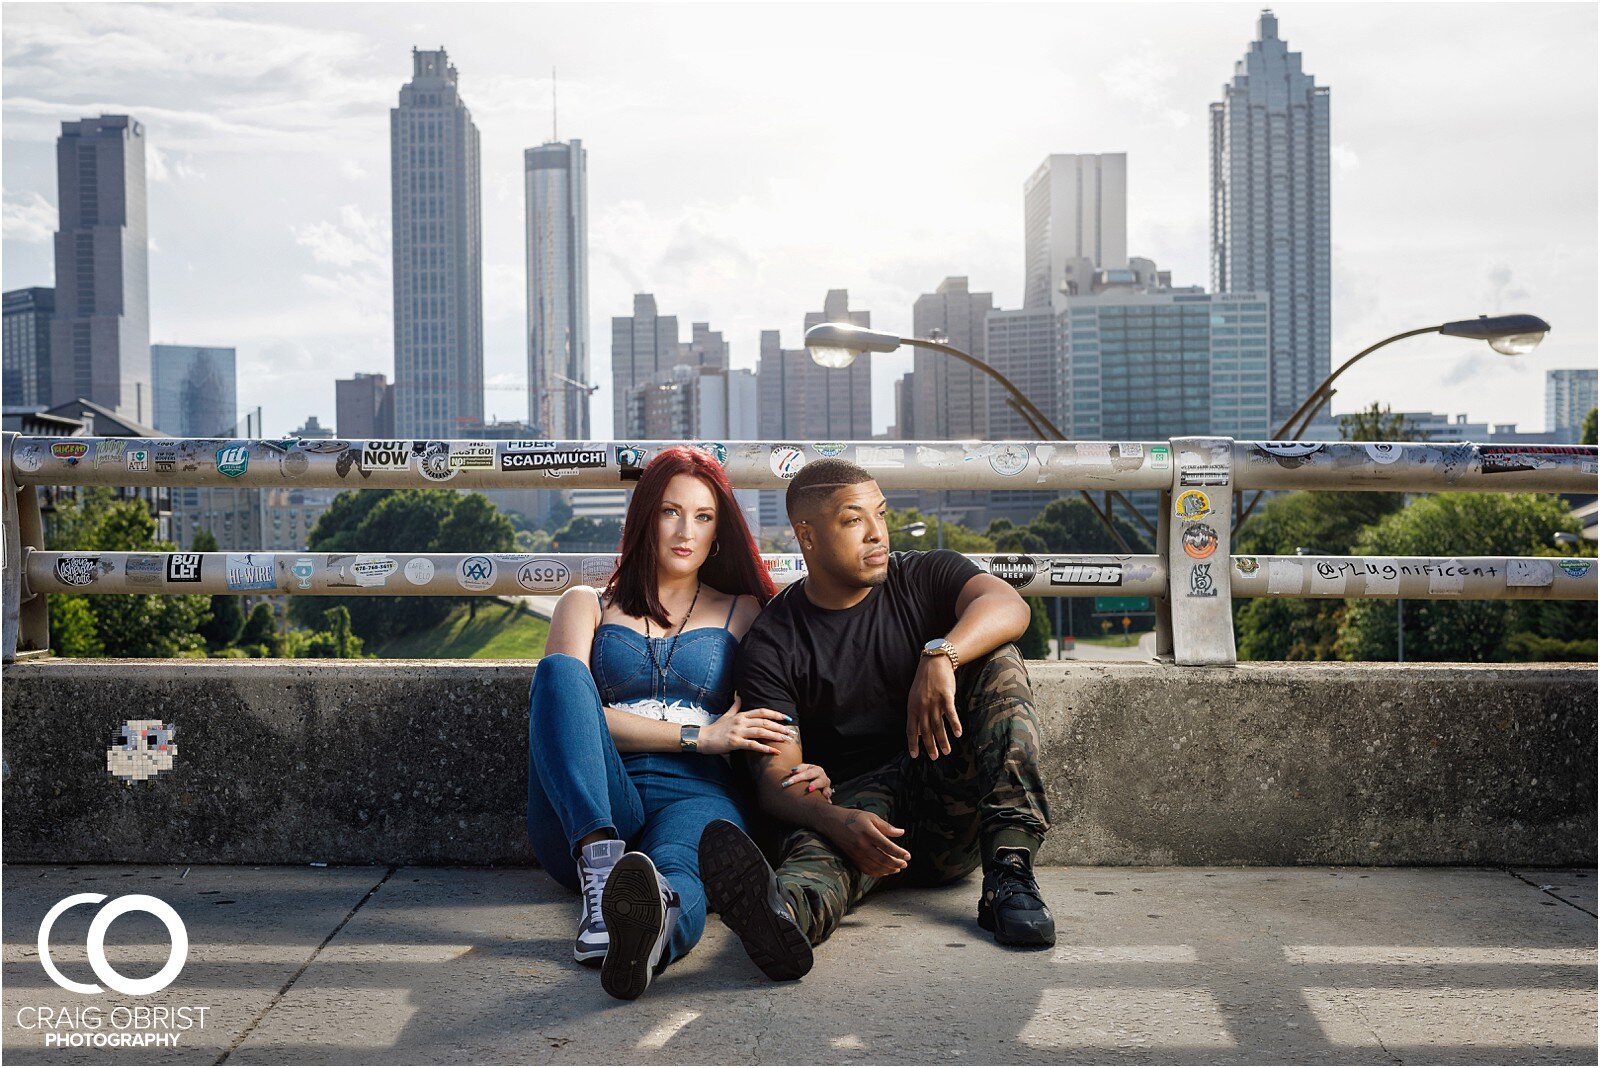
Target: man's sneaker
<point>742,889</point>
<point>1012,906</point>
<point>595,861</point>
<point>641,911</point>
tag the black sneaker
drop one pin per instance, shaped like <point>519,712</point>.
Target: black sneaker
<point>742,889</point>
<point>1012,906</point>
<point>641,911</point>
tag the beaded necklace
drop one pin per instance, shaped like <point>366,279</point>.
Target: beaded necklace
<point>661,669</point>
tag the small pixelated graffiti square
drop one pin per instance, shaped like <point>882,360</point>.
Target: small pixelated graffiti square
<point>142,749</point>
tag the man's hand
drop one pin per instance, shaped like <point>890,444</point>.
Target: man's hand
<point>931,719</point>
<point>868,841</point>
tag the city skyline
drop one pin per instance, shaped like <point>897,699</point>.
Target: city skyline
<point>747,239</point>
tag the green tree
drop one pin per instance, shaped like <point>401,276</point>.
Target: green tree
<point>261,628</point>
<point>560,515</point>
<point>1066,525</point>
<point>1275,628</point>
<point>338,642</point>
<point>74,631</point>
<point>475,525</point>
<point>407,521</point>
<point>1379,423</point>
<point>124,625</point>
<point>227,610</point>
<point>533,541</point>
<point>1464,524</point>
<point>1035,641</point>
<point>1587,435</point>
<point>961,539</point>
<point>585,535</point>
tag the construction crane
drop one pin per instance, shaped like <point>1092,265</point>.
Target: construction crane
<point>544,402</point>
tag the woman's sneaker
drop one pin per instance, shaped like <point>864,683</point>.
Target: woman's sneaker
<point>595,862</point>
<point>640,910</point>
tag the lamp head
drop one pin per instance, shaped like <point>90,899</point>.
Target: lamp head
<point>1509,335</point>
<point>838,344</point>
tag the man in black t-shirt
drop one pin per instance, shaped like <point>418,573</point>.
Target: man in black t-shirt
<point>899,671</point>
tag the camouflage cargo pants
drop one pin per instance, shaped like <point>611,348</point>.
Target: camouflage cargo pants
<point>988,792</point>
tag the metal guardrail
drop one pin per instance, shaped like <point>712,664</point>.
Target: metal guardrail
<point>1193,578</point>
<point>987,465</point>
<point>548,574</point>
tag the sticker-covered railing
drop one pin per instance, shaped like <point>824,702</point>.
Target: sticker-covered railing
<point>1192,578</point>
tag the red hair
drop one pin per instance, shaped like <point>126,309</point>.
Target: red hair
<point>736,566</point>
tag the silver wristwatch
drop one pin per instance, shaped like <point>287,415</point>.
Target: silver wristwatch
<point>689,738</point>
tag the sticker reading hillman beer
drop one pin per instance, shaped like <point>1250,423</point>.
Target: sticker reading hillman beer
<point>1015,571</point>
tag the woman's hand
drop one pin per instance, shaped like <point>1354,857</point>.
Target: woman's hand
<point>816,780</point>
<point>752,730</point>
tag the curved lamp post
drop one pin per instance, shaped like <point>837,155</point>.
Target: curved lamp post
<point>836,345</point>
<point>1509,335</point>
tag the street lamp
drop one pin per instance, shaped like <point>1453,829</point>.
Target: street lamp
<point>1509,335</point>
<point>916,530</point>
<point>836,345</point>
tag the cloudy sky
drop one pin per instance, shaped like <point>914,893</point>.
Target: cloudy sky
<point>744,159</point>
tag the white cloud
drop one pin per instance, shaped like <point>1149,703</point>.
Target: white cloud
<point>166,167</point>
<point>1144,78</point>
<point>356,238</point>
<point>29,218</point>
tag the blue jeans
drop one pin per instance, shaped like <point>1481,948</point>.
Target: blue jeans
<point>578,783</point>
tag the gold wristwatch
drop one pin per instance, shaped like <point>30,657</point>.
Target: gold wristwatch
<point>942,647</point>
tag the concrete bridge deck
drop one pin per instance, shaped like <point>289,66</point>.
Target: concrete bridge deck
<point>395,965</point>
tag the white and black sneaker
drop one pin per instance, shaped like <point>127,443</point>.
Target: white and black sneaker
<point>641,910</point>
<point>595,862</point>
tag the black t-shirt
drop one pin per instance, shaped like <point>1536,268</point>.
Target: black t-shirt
<point>845,675</point>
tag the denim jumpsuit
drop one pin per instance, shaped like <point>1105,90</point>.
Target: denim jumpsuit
<point>657,802</point>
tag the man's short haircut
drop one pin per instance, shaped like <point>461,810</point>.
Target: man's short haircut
<point>816,482</point>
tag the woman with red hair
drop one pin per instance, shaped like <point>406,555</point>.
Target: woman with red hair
<point>631,714</point>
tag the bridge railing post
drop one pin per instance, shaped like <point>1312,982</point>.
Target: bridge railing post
<point>27,620</point>
<point>1197,551</point>
<point>1163,603</point>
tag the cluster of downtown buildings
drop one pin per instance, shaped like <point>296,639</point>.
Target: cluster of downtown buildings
<point>1104,344</point>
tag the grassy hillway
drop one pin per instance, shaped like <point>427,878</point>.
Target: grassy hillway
<point>501,632</point>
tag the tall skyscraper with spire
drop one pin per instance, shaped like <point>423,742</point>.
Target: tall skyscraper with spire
<point>100,337</point>
<point>556,185</point>
<point>1270,229</point>
<point>436,198</point>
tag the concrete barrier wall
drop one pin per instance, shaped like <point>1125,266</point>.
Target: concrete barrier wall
<point>425,761</point>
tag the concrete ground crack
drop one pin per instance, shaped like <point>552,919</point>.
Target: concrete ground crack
<point>761,1032</point>
<point>1552,893</point>
<point>1355,1008</point>
<point>284,989</point>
